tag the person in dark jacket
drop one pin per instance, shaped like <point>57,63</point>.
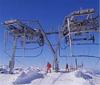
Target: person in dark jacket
<point>67,68</point>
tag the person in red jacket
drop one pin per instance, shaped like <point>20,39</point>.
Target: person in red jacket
<point>49,67</point>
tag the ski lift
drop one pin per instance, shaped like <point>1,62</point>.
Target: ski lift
<point>92,37</point>
<point>41,40</point>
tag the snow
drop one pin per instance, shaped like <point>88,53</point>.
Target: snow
<point>34,76</point>
<point>4,69</point>
<point>81,74</point>
<point>26,78</point>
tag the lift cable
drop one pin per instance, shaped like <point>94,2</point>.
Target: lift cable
<point>34,55</point>
<point>80,44</point>
<point>83,56</point>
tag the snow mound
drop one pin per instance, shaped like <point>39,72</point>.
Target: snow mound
<point>18,70</point>
<point>28,76</point>
<point>83,75</point>
<point>4,69</point>
<point>96,72</point>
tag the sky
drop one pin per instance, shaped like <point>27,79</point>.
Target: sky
<point>51,14</point>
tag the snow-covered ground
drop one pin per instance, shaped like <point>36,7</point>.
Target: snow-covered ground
<point>32,76</point>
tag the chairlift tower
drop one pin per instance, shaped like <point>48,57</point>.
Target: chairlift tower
<point>79,24</point>
<point>19,30</point>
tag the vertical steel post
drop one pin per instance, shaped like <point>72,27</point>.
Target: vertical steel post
<point>12,61</point>
<point>69,34</point>
<point>76,63</point>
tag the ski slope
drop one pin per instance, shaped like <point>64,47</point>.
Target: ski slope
<point>37,77</point>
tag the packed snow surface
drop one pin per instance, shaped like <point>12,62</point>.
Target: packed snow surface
<point>26,78</point>
<point>37,77</point>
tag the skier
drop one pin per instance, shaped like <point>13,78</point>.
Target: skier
<point>67,68</point>
<point>49,67</point>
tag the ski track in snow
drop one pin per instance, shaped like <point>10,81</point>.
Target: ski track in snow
<point>97,80</point>
<point>57,79</point>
